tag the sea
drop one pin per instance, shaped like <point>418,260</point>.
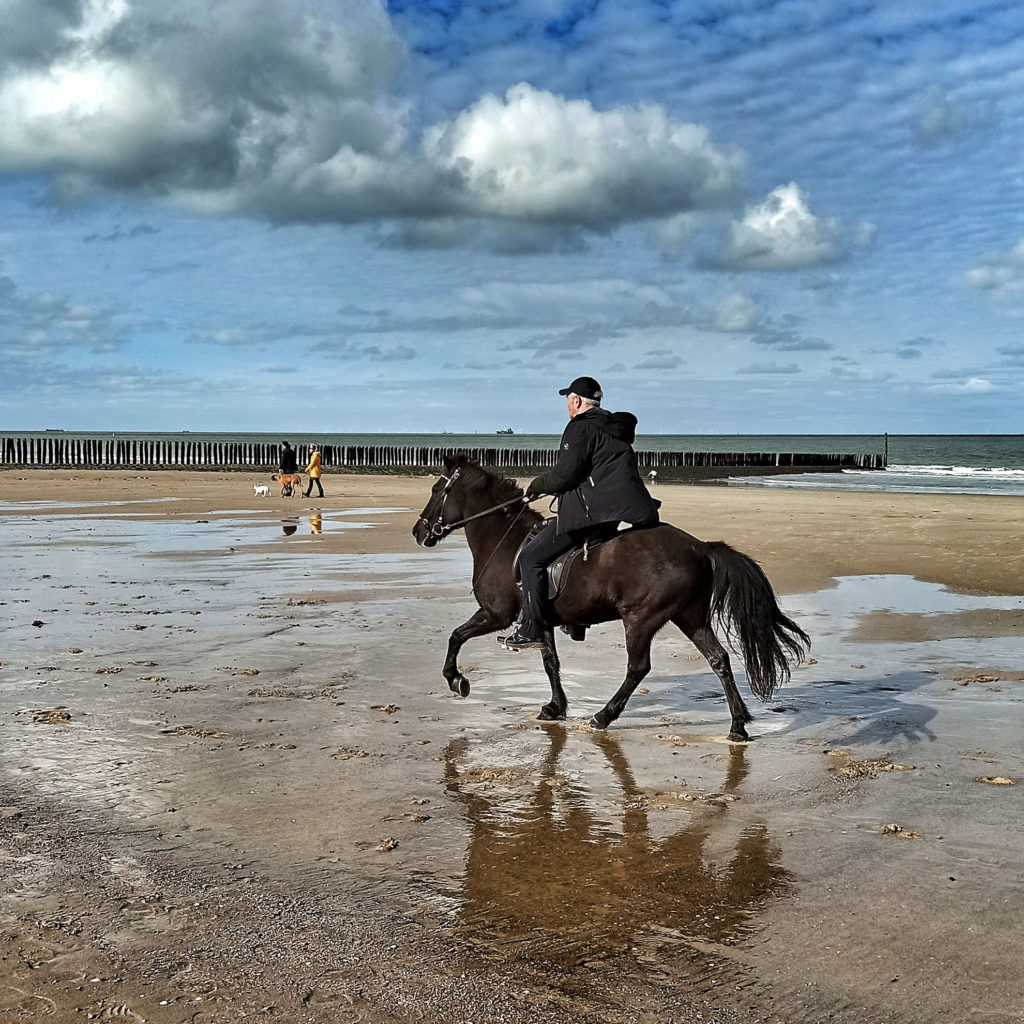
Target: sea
<point>917,463</point>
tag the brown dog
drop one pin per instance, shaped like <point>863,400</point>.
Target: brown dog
<point>291,483</point>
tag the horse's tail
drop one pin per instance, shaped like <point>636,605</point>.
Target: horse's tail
<point>744,604</point>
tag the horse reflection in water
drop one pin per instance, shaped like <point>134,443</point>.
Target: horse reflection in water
<point>549,881</point>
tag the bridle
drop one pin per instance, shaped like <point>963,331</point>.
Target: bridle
<point>440,529</point>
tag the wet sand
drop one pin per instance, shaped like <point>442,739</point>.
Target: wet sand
<point>234,784</point>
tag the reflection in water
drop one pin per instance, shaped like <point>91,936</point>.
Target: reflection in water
<point>548,880</point>
<point>289,527</point>
<point>316,522</point>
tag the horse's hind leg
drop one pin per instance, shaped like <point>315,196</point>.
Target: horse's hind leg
<point>478,624</point>
<point>556,708</point>
<point>638,653</point>
<point>704,639</point>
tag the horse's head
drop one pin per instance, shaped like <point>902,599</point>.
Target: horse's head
<point>446,503</point>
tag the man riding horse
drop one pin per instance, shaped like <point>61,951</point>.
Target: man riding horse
<point>598,485</point>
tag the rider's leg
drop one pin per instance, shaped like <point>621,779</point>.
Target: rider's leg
<point>543,549</point>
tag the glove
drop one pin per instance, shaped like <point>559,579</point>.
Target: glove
<point>532,492</point>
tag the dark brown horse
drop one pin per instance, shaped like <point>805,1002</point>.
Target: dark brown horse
<point>647,578</point>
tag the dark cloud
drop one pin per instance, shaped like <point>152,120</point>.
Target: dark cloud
<point>118,234</point>
<point>574,339</point>
<point>659,359</point>
<point>771,369</point>
<point>351,352</point>
<point>783,335</point>
<point>859,376</point>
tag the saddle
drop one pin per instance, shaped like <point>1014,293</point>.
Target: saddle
<point>558,570</point>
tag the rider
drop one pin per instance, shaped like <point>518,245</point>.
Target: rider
<point>597,483</point>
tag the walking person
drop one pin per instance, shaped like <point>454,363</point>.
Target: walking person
<point>313,469</point>
<point>287,464</point>
<point>598,484</point>
<point>289,460</point>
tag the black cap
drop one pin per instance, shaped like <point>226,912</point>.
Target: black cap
<point>586,387</point>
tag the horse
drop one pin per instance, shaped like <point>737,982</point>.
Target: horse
<point>646,577</point>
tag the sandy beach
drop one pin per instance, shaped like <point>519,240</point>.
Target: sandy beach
<point>234,785</point>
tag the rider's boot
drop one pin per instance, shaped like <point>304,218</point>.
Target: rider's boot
<point>527,635</point>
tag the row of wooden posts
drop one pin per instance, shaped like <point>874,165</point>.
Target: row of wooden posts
<point>97,453</point>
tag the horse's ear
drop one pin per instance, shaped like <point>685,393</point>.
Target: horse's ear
<point>455,460</point>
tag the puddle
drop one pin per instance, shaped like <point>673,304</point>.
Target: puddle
<point>58,508</point>
<point>567,861</point>
<point>899,623</point>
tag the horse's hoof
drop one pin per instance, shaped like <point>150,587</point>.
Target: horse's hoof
<point>738,737</point>
<point>549,714</point>
<point>597,723</point>
<point>459,686</point>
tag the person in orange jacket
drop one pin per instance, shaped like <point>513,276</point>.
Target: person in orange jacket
<point>313,469</point>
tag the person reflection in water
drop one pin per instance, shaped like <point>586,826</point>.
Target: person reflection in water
<point>552,874</point>
<point>316,523</point>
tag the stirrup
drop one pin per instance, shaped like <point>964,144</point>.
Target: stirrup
<point>515,641</point>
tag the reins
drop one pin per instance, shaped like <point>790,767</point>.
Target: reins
<point>439,528</point>
<point>486,512</point>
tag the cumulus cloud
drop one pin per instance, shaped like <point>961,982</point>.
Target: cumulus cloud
<point>273,111</point>
<point>999,275</point>
<point>969,385</point>
<point>39,326</point>
<point>532,155</point>
<point>782,233</point>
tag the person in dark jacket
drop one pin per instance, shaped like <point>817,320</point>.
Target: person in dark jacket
<point>289,459</point>
<point>598,485</point>
<point>288,462</point>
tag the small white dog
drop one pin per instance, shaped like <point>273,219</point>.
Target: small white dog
<point>260,491</point>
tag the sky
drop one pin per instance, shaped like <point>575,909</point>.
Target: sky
<point>758,216</point>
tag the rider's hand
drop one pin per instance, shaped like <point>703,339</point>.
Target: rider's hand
<point>531,494</point>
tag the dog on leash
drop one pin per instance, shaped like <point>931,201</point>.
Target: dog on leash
<point>291,483</point>
<point>260,491</point>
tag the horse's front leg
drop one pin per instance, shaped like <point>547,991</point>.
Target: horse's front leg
<point>555,709</point>
<point>481,622</point>
<point>638,651</point>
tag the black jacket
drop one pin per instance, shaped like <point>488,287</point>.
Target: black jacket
<point>289,460</point>
<point>596,476</point>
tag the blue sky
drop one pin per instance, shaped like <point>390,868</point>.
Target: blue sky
<point>332,215</point>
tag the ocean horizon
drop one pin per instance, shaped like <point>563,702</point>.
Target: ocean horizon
<point>918,463</point>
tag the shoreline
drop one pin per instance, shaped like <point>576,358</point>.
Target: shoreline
<point>803,539</point>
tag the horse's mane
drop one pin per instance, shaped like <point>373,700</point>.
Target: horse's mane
<point>500,487</point>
